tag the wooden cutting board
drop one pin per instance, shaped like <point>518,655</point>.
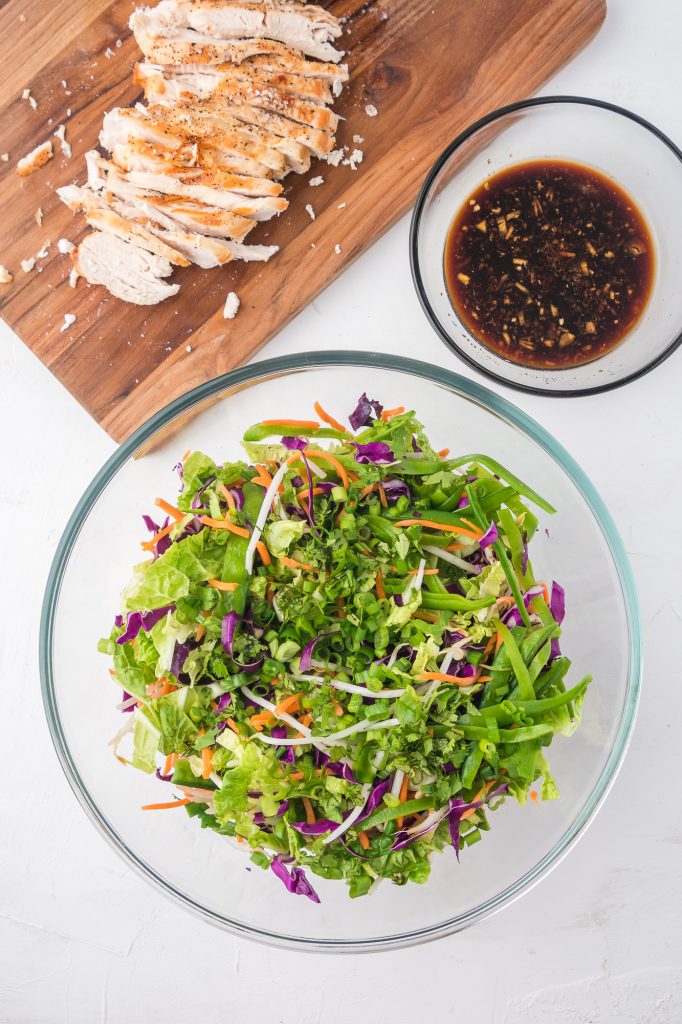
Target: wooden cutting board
<point>430,67</point>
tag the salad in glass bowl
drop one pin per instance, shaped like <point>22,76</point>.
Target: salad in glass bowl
<point>336,650</point>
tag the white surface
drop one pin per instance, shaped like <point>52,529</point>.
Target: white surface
<point>82,939</point>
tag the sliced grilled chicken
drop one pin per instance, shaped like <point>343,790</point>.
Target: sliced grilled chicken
<point>130,157</point>
<point>127,271</point>
<point>307,28</point>
<point>100,215</point>
<point>293,63</point>
<point>218,146</point>
<point>179,83</point>
<point>256,207</point>
<point>201,122</point>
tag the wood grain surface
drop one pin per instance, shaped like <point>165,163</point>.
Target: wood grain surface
<point>430,67</point>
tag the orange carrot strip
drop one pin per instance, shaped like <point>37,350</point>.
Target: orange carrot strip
<point>444,527</point>
<point>170,510</point>
<point>326,418</point>
<point>444,452</point>
<point>315,453</point>
<point>206,762</point>
<point>219,585</point>
<point>299,424</point>
<point>309,812</point>
<point>388,414</point>
<point>533,795</point>
<point>200,632</point>
<point>424,616</point>
<point>233,725</point>
<point>472,525</point>
<point>162,807</point>
<point>442,677</point>
<point>228,497</point>
<point>263,474</point>
<point>290,703</point>
<point>303,493</point>
<point>149,545</point>
<point>291,563</point>
<point>263,552</point>
<point>382,495</point>
<point>456,547</point>
<point>186,455</point>
<point>363,840</point>
<point>381,593</point>
<point>404,786</point>
<point>168,764</point>
<point>224,524</point>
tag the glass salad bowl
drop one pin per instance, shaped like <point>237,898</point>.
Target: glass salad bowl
<point>578,547</point>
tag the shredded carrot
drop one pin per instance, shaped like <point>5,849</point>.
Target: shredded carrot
<point>488,650</point>
<point>162,807</point>
<point>206,762</point>
<point>298,424</point>
<point>264,474</point>
<point>424,616</point>
<point>363,840</point>
<point>388,414</point>
<point>224,524</point>
<point>427,572</point>
<point>219,585</point>
<point>456,547</point>
<point>263,552</point>
<point>472,525</point>
<point>338,708</point>
<point>309,812</point>
<point>149,545</point>
<point>291,563</point>
<point>233,725</point>
<point>186,455</point>
<point>404,786</point>
<point>170,510</point>
<point>289,704</point>
<point>545,594</point>
<point>305,492</point>
<point>240,839</point>
<point>533,795</point>
<point>200,632</point>
<point>168,764</point>
<point>445,527</point>
<point>444,452</point>
<point>443,677</point>
<point>228,497</point>
<point>315,453</point>
<point>166,688</point>
<point>326,418</point>
<point>498,641</point>
<point>305,720</point>
<point>382,495</point>
<point>381,593</point>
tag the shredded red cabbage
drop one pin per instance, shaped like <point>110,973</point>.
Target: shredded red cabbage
<point>394,489</point>
<point>557,606</point>
<point>229,626</point>
<point>307,653</point>
<point>294,881</point>
<point>375,451</point>
<point>459,806</point>
<point>295,443</point>
<point>491,536</point>
<point>361,415</point>
<point>317,828</point>
<point>142,620</point>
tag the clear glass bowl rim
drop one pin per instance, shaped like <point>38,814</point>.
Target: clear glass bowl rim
<point>315,360</point>
<point>415,228</point>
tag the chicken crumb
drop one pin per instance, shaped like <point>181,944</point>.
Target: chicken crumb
<point>69,320</point>
<point>5,276</point>
<point>68,111</point>
<point>310,211</point>
<point>231,306</point>
<point>371,110</point>
<point>336,156</point>
<point>4,157</point>
<point>65,246</point>
<point>188,348</point>
<point>314,182</point>
<point>35,159</point>
<point>73,277</point>
<point>63,83</point>
<point>356,157</point>
<point>42,252</point>
<point>28,265</point>
<point>60,134</point>
<point>118,44</point>
<point>341,206</point>
<point>337,250</point>
<point>38,216</point>
<point>358,140</point>
<point>26,95</point>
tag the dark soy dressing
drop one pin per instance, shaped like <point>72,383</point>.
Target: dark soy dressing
<point>549,264</point>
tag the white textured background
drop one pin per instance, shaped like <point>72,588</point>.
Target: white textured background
<point>82,939</point>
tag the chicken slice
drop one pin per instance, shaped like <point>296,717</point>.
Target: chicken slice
<point>176,142</point>
<point>188,214</point>
<point>127,271</point>
<point>101,216</point>
<point>307,28</point>
<point>180,82</point>
<point>138,158</point>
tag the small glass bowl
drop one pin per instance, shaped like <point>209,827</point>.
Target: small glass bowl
<point>624,147</point>
<point>202,870</point>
